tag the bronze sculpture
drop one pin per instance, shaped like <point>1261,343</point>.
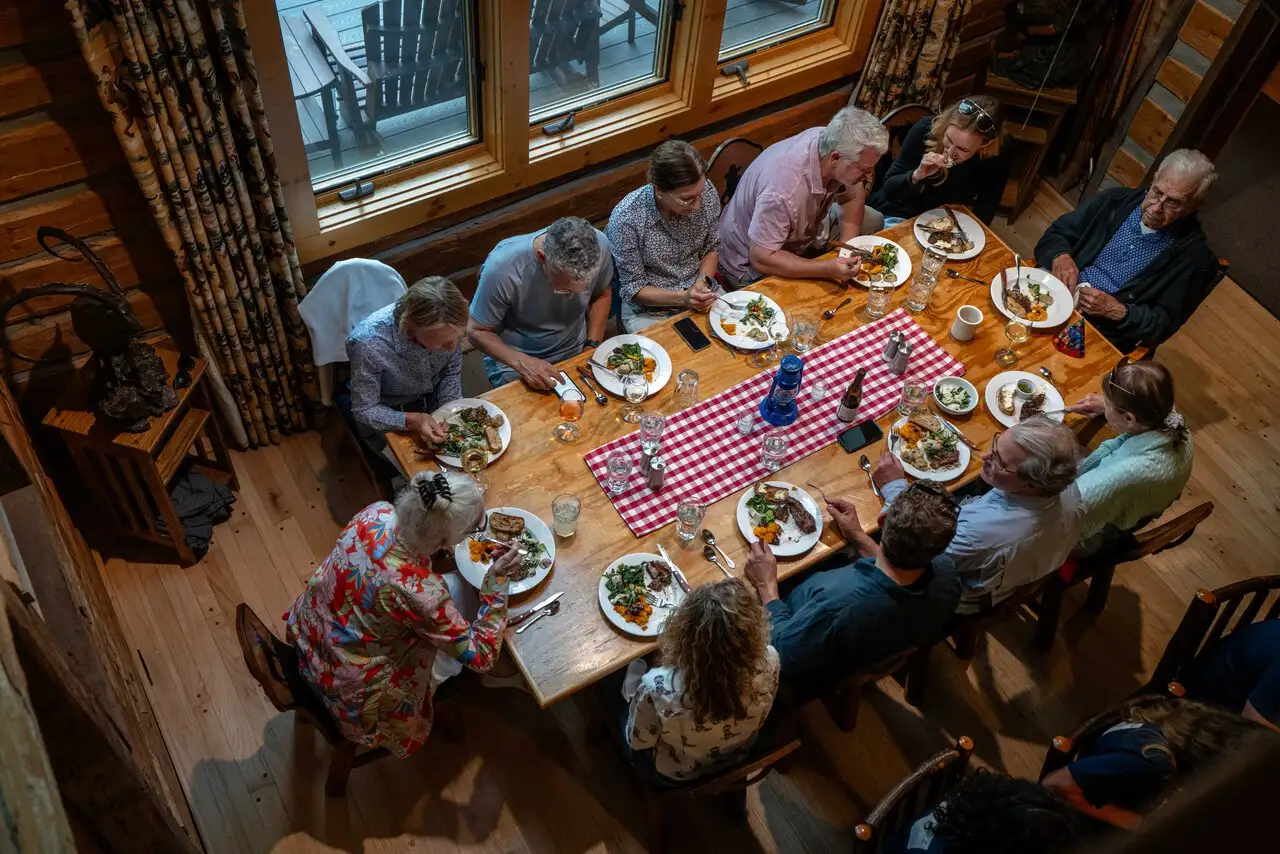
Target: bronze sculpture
<point>130,384</point>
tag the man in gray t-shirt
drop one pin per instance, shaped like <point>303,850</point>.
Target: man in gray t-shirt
<point>542,298</point>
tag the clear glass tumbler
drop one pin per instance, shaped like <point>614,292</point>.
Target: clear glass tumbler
<point>651,426</point>
<point>773,451</point>
<point>921,292</point>
<point>913,397</point>
<point>878,296</point>
<point>565,510</point>
<point>689,516</point>
<point>619,466</point>
<point>804,331</point>
<point>686,393</point>
<point>931,263</point>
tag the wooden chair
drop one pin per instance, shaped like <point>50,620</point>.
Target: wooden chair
<point>727,163</point>
<point>561,31</point>
<point>1211,616</point>
<point>1065,748</point>
<point>274,664</point>
<point>1147,350</point>
<point>898,121</point>
<point>918,792</point>
<point>908,668</point>
<point>415,55</point>
<point>1099,571</point>
<point>967,629</point>
<point>635,9</point>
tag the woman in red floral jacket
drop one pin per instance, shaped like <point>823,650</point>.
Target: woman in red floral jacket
<point>374,616</point>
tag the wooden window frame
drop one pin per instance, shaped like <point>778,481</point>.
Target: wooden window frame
<point>512,154</point>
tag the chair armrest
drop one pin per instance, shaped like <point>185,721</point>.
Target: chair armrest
<point>327,37</point>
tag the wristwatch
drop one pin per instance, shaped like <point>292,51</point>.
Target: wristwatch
<point>590,344</point>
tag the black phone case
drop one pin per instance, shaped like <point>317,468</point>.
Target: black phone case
<point>702,344</point>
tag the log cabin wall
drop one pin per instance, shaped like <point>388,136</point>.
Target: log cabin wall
<point>982,24</point>
<point>60,165</point>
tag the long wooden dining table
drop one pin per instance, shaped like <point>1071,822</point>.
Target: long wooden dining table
<point>573,649</point>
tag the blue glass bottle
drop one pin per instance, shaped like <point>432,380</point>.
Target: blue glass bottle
<point>779,405</point>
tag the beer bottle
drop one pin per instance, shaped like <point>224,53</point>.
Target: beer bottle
<point>848,411</point>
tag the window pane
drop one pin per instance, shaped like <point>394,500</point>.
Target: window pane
<point>584,52</point>
<point>381,85</point>
<point>752,24</point>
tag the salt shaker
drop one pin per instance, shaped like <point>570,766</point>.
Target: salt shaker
<point>657,472</point>
<point>898,366</point>
<point>891,346</point>
<point>646,460</point>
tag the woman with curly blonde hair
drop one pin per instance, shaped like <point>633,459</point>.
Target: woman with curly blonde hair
<point>701,709</point>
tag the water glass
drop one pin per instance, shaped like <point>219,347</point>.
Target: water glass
<point>651,427</point>
<point>931,264</point>
<point>804,330</point>
<point>878,296</point>
<point>921,292</point>
<point>635,390</point>
<point>618,465</point>
<point>773,450</point>
<point>686,393</point>
<point>913,397</point>
<point>564,510</point>
<point>817,390</point>
<point>689,515</point>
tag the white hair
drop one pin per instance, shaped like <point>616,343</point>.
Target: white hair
<point>850,132</point>
<point>436,507</point>
<point>1192,166</point>
<point>571,247</point>
<point>1050,464</point>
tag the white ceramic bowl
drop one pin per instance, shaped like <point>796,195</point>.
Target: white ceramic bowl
<point>959,382</point>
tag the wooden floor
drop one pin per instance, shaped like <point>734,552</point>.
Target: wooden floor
<point>527,781</point>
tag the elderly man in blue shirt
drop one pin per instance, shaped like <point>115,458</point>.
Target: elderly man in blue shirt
<point>896,595</point>
<point>1025,526</point>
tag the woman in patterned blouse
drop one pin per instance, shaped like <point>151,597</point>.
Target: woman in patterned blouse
<point>666,239</point>
<point>374,617</point>
<point>702,708</point>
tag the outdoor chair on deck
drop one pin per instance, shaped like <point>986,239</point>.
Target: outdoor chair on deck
<point>561,31</point>
<point>918,793</point>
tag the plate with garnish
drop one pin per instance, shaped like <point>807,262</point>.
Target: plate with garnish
<point>519,529</point>
<point>638,593</point>
<point>1015,395</point>
<point>747,321</point>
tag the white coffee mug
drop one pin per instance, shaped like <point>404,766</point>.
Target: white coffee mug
<point>968,319</point>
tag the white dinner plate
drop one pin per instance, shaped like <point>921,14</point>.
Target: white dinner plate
<point>450,409</point>
<point>793,542</point>
<point>941,476</point>
<point>1052,399</point>
<point>737,300</point>
<point>474,572</point>
<point>1059,312</point>
<point>902,271</point>
<point>661,373</point>
<point>971,227</point>
<point>664,602</point>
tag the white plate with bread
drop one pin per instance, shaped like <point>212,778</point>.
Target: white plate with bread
<point>1006,403</point>
<point>490,430</point>
<point>521,529</point>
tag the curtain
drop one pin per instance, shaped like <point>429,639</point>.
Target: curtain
<point>912,54</point>
<point>179,82</point>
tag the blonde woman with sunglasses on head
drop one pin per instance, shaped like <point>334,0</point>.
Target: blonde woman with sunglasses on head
<point>1132,479</point>
<point>953,158</point>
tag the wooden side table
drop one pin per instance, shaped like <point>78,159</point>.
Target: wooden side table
<point>130,472</point>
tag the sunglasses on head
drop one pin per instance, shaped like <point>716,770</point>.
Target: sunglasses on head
<point>984,122</point>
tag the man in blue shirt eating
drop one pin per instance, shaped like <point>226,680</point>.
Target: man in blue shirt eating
<point>894,596</point>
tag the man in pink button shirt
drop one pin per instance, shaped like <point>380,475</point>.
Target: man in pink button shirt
<point>798,194</point>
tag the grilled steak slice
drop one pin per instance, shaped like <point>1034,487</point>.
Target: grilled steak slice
<point>803,518</point>
<point>1034,405</point>
<point>660,573</point>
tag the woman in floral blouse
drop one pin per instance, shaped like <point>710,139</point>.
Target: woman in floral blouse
<point>374,615</point>
<point>702,708</point>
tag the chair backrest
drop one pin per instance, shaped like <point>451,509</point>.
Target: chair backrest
<point>917,793</point>
<point>727,163</point>
<point>416,53</point>
<point>1065,748</point>
<point>898,121</point>
<point>270,660</point>
<point>1213,615</point>
<point>757,765</point>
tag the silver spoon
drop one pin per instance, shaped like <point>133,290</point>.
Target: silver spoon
<point>553,608</point>
<point>956,275</point>
<point>831,312</point>
<point>865,464</point>
<point>1047,374</point>
<point>710,554</point>
<point>710,539</point>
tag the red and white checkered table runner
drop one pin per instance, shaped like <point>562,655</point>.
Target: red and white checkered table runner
<point>707,458</point>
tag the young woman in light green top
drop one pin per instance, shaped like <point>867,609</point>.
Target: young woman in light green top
<point>1132,479</point>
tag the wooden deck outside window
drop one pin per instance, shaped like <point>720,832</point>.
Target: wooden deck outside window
<point>682,92</point>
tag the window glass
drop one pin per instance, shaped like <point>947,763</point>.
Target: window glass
<point>380,85</point>
<point>585,52</point>
<point>753,24</point>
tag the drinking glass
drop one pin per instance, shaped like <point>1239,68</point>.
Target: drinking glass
<point>817,390</point>
<point>804,329</point>
<point>773,450</point>
<point>651,427</point>
<point>1017,333</point>
<point>878,296</point>
<point>618,465</point>
<point>571,407</point>
<point>931,264</point>
<point>689,515</point>
<point>913,397</point>
<point>921,292</point>
<point>686,388</point>
<point>473,461</point>
<point>565,509</point>
<point>770,355</point>
<point>635,390</point>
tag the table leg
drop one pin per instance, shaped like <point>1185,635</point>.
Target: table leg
<point>329,99</point>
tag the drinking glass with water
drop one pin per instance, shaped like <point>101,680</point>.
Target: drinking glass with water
<point>689,516</point>
<point>651,426</point>
<point>618,467</point>
<point>565,510</point>
<point>804,330</point>
<point>878,296</point>
<point>773,451</point>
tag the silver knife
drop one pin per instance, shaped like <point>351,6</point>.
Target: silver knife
<point>520,618</point>
<point>962,437</point>
<point>675,570</point>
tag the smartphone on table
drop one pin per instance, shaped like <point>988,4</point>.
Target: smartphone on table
<point>859,436</point>
<point>692,335</point>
